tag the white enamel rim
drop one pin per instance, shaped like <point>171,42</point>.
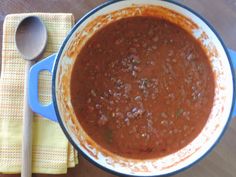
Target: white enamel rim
<point>226,80</point>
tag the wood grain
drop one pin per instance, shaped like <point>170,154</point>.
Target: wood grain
<point>222,15</point>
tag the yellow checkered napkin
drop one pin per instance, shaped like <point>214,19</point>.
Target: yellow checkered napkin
<point>51,152</point>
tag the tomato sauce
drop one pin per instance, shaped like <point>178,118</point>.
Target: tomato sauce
<point>142,87</point>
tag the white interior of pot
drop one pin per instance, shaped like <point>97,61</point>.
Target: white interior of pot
<point>186,156</point>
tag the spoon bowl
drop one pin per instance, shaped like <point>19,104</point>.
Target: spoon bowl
<point>31,37</point>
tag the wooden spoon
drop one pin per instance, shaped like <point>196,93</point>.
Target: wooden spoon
<point>31,39</point>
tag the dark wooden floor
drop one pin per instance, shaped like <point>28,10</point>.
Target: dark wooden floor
<point>222,15</point>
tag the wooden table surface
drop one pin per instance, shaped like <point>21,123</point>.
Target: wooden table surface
<point>221,13</point>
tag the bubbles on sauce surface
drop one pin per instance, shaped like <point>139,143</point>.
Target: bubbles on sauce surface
<point>145,84</point>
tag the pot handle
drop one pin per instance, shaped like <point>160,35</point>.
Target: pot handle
<point>47,111</point>
<point>233,60</point>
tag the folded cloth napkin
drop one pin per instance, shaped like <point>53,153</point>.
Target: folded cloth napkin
<point>51,152</point>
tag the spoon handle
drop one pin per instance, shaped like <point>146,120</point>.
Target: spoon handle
<point>26,170</point>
